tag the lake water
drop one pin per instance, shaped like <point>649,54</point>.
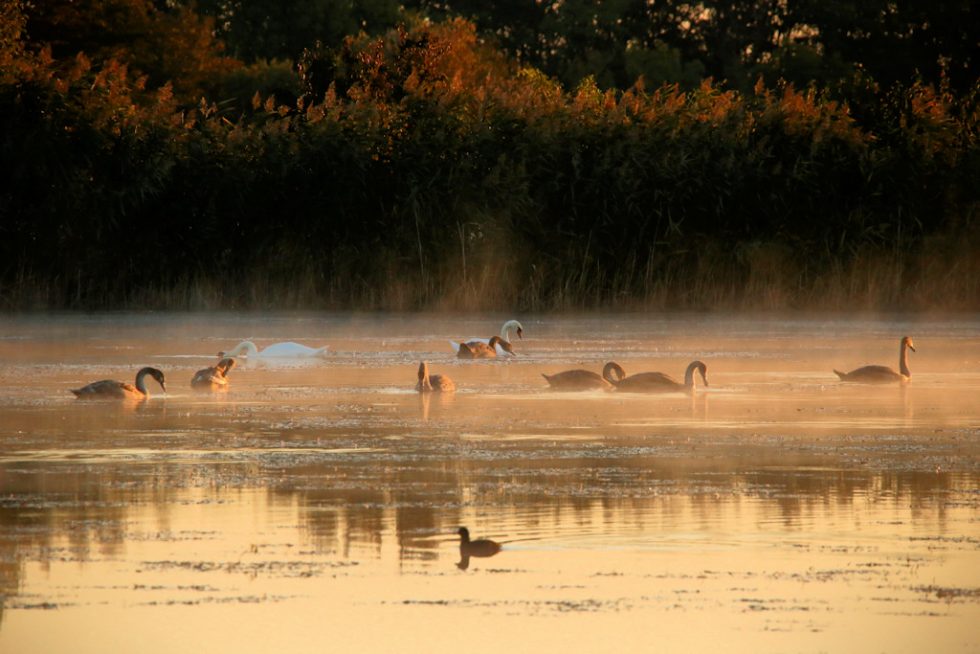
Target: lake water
<point>314,506</point>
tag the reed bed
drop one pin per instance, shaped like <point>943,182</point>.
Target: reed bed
<point>427,171</point>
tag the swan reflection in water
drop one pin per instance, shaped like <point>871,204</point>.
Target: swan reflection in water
<point>481,548</point>
<point>438,401</point>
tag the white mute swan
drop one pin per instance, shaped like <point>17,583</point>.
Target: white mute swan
<point>286,350</point>
<point>117,390</point>
<point>505,330</point>
<point>883,374</point>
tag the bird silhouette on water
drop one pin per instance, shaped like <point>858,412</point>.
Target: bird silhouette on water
<point>110,389</point>
<point>481,547</point>
<point>883,374</point>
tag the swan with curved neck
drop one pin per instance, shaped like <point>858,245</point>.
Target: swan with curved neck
<point>110,389</point>
<point>215,377</point>
<point>511,325</point>
<point>883,374</point>
<point>653,382</point>
<point>504,348</point>
<point>577,380</point>
<point>481,350</point>
<point>287,350</point>
<point>433,383</point>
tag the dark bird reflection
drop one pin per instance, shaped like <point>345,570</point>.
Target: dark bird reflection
<point>438,400</point>
<point>480,548</point>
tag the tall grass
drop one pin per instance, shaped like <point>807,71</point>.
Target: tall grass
<point>430,172</point>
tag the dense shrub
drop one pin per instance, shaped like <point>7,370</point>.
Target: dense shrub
<point>424,169</point>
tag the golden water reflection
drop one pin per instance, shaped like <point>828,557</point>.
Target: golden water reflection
<point>785,510</point>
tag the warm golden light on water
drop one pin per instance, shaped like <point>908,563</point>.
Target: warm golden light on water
<point>316,506</point>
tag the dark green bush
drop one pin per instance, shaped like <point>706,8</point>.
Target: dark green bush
<point>423,169</point>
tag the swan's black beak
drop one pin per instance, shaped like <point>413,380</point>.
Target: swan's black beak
<point>911,347</point>
<point>520,333</point>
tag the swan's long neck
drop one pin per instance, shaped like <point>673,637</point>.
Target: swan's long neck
<point>611,367</point>
<point>689,375</point>
<point>689,380</point>
<point>903,360</point>
<point>496,341</point>
<point>141,380</point>
<point>245,347</point>
<point>505,330</point>
<point>464,536</point>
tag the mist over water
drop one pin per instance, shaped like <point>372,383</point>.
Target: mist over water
<point>781,507</point>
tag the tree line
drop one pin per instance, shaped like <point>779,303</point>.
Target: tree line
<point>536,155</point>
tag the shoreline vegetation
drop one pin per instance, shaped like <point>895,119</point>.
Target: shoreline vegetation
<point>425,168</point>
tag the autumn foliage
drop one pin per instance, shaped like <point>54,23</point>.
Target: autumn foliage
<point>423,168</point>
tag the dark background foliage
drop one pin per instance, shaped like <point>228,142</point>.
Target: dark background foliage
<point>530,154</point>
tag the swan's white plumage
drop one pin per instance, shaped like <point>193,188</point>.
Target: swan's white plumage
<point>507,327</point>
<point>287,350</point>
<point>510,325</point>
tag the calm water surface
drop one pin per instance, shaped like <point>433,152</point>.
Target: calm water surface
<point>314,506</point>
